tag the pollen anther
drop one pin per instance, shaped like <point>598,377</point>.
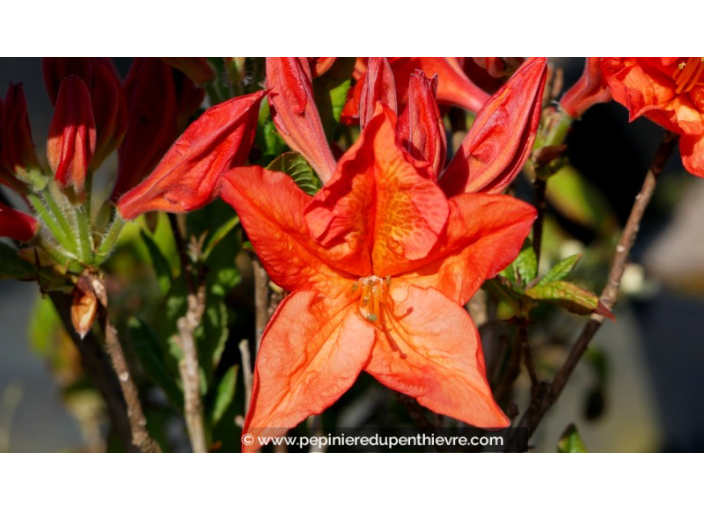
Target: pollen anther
<point>687,74</point>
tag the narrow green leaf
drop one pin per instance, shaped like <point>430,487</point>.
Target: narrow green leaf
<point>571,441</point>
<point>161,265</point>
<point>295,166</point>
<point>526,264</point>
<point>566,295</point>
<point>14,267</point>
<point>219,235</point>
<point>561,270</point>
<point>224,394</point>
<point>151,357</point>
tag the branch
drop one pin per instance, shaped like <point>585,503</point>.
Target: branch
<point>138,423</point>
<point>98,367</point>
<point>261,300</point>
<point>549,394</point>
<point>246,373</point>
<point>189,367</point>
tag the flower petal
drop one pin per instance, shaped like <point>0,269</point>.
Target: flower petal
<point>379,201</point>
<point>311,353</point>
<point>484,234</point>
<point>294,112</point>
<point>17,145</point>
<point>692,151</point>
<point>502,136</point>
<point>431,351</point>
<point>420,126</point>
<point>16,225</point>
<point>188,177</point>
<point>270,206</point>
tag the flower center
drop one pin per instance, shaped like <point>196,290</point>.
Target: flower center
<point>687,74</point>
<point>373,293</point>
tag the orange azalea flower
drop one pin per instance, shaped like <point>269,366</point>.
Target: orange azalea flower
<point>670,92</point>
<point>379,264</point>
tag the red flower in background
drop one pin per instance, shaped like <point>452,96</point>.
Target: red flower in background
<point>16,224</point>
<point>380,261</point>
<point>670,92</point>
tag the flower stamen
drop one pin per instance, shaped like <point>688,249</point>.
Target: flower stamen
<point>687,74</point>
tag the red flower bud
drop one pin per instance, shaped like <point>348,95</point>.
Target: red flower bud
<point>378,86</point>
<point>152,114</point>
<point>16,225</point>
<point>590,89</point>
<point>196,68</point>
<point>17,145</point>
<point>295,114</point>
<point>502,136</point>
<point>107,98</point>
<point>84,306</point>
<point>420,126</point>
<point>188,177</point>
<point>71,141</point>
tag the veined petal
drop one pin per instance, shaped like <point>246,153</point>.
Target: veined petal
<point>590,89</point>
<point>270,206</point>
<point>188,177</point>
<point>378,87</point>
<point>484,235</point>
<point>16,225</point>
<point>294,112</point>
<point>502,136</point>
<point>311,353</point>
<point>72,135</point>
<point>420,126</point>
<point>431,351</point>
<point>379,201</point>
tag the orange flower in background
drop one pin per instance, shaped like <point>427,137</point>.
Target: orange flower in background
<point>670,92</point>
<point>379,264</point>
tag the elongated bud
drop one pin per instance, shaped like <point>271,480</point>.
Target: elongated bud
<point>16,225</point>
<point>196,68</point>
<point>71,141</point>
<point>378,87</point>
<point>17,145</point>
<point>188,177</point>
<point>590,89</point>
<point>502,136</point>
<point>294,112</point>
<point>107,98</point>
<point>152,115</point>
<point>420,126</point>
<point>84,306</point>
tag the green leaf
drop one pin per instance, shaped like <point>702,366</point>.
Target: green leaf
<point>526,264</point>
<point>212,335</point>
<point>502,289</point>
<point>267,137</point>
<point>295,166</point>
<point>151,356</point>
<point>224,394</point>
<point>571,442</point>
<point>14,267</point>
<point>565,295</point>
<point>219,235</point>
<point>330,92</point>
<point>561,270</point>
<point>161,265</point>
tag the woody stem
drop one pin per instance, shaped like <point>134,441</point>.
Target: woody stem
<point>547,395</point>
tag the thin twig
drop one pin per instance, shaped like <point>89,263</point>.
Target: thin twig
<point>246,373</point>
<point>99,369</point>
<point>138,422</point>
<point>189,370</point>
<point>189,367</point>
<point>528,355</point>
<point>544,399</point>
<point>261,300</point>
<point>539,188</point>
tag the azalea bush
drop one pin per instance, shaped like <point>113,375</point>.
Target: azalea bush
<point>304,247</point>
